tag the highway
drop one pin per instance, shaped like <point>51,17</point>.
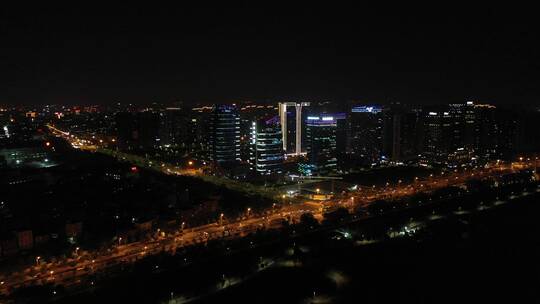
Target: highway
<point>71,270</point>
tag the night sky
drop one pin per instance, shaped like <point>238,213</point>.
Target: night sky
<point>271,51</point>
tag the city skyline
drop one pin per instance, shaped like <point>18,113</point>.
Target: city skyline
<point>166,187</point>
<point>269,152</point>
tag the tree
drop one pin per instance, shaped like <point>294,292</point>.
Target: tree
<point>308,220</point>
<point>340,214</point>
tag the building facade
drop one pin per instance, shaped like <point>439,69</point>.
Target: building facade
<point>266,146</point>
<point>292,126</point>
<point>321,145</point>
<point>224,137</point>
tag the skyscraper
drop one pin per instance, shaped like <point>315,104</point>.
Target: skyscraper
<point>175,128</point>
<point>507,137</point>
<point>458,120</point>
<point>292,133</point>
<point>248,114</point>
<point>267,148</point>
<point>199,129</point>
<point>437,128</point>
<point>138,131</point>
<point>486,131</point>
<point>224,141</point>
<point>469,126</point>
<point>401,132</point>
<point>320,145</point>
<point>411,134</point>
<point>366,127</point>
<point>342,137</point>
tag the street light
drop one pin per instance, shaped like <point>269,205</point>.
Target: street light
<point>37,260</point>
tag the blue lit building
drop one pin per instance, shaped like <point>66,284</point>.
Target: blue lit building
<point>266,155</point>
<point>224,139</point>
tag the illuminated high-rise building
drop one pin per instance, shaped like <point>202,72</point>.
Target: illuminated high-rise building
<point>366,133</point>
<point>292,133</point>
<point>437,131</point>
<point>224,141</point>
<point>321,144</point>
<point>248,114</point>
<point>266,155</point>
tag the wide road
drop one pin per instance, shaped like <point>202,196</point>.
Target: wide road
<point>70,270</point>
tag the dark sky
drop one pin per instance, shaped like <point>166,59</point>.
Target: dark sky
<point>215,53</point>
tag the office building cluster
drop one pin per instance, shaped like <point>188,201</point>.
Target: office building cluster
<point>306,138</point>
<point>443,135</point>
<point>321,139</point>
